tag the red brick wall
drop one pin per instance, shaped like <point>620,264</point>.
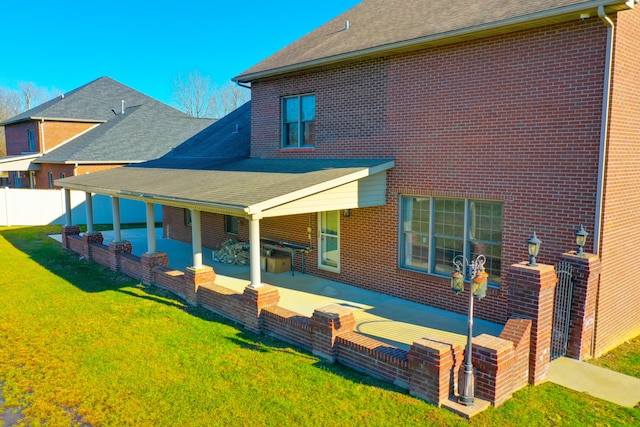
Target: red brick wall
<point>491,119</point>
<point>42,176</point>
<point>17,141</point>
<point>212,226</point>
<point>619,296</point>
<point>56,133</point>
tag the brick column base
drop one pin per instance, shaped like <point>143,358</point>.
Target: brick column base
<point>115,250</point>
<point>89,239</point>
<point>493,359</point>
<point>586,278</point>
<point>193,278</point>
<point>150,260</point>
<point>518,331</point>
<point>326,324</point>
<point>69,230</point>
<point>531,295</point>
<point>433,369</point>
<point>253,301</point>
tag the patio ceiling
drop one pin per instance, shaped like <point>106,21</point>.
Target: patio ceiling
<point>249,187</point>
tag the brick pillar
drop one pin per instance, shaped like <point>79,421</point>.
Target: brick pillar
<point>150,260</point>
<point>89,239</point>
<point>69,230</point>
<point>518,331</point>
<point>253,301</point>
<point>493,360</point>
<point>433,370</point>
<point>115,250</point>
<point>531,296</point>
<point>326,324</point>
<point>193,278</point>
<point>586,278</point>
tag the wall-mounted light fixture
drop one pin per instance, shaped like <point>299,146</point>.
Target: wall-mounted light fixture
<point>346,213</point>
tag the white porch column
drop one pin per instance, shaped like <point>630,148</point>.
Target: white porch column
<point>67,207</point>
<point>254,243</point>
<point>89,206</point>
<point>151,228</point>
<point>115,210</point>
<point>196,238</point>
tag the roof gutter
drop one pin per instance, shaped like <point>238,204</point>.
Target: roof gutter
<point>447,37</point>
<point>604,127</point>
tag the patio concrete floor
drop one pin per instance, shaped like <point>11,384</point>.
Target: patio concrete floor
<point>392,320</point>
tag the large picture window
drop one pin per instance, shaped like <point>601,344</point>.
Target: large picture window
<point>435,230</point>
<point>298,121</point>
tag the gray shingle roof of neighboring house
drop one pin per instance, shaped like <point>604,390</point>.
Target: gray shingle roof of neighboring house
<point>227,139</point>
<point>95,101</point>
<point>140,129</point>
<point>379,27</point>
<point>143,132</point>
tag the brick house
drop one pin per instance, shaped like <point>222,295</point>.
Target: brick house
<point>401,134</point>
<point>92,128</point>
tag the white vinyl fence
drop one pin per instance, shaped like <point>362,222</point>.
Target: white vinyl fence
<point>43,207</point>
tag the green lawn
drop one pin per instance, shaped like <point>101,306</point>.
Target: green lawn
<point>81,345</point>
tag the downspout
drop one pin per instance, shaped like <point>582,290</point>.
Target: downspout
<point>42,146</point>
<point>604,125</point>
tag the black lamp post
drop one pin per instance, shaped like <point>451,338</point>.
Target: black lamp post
<point>533,245</point>
<point>581,238</point>
<point>479,279</point>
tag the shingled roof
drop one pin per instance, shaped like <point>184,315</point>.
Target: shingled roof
<point>379,27</point>
<point>96,101</point>
<point>132,127</point>
<point>227,139</point>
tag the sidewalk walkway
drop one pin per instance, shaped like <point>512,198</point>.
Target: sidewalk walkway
<point>599,382</point>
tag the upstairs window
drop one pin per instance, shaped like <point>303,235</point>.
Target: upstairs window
<point>32,141</point>
<point>298,121</point>
<point>435,230</point>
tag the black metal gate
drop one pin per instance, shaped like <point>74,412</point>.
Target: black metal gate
<point>562,310</point>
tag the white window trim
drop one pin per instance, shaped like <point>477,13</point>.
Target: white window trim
<point>300,127</point>
<point>430,264</point>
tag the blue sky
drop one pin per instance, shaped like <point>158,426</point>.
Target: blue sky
<point>64,44</point>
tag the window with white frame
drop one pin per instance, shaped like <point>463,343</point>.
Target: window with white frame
<point>435,230</point>
<point>50,179</point>
<point>298,121</point>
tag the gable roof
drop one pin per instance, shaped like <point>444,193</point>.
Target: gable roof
<point>97,101</point>
<point>130,126</point>
<point>379,27</point>
<point>143,132</point>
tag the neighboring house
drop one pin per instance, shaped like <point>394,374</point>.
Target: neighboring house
<point>401,134</point>
<point>101,125</point>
